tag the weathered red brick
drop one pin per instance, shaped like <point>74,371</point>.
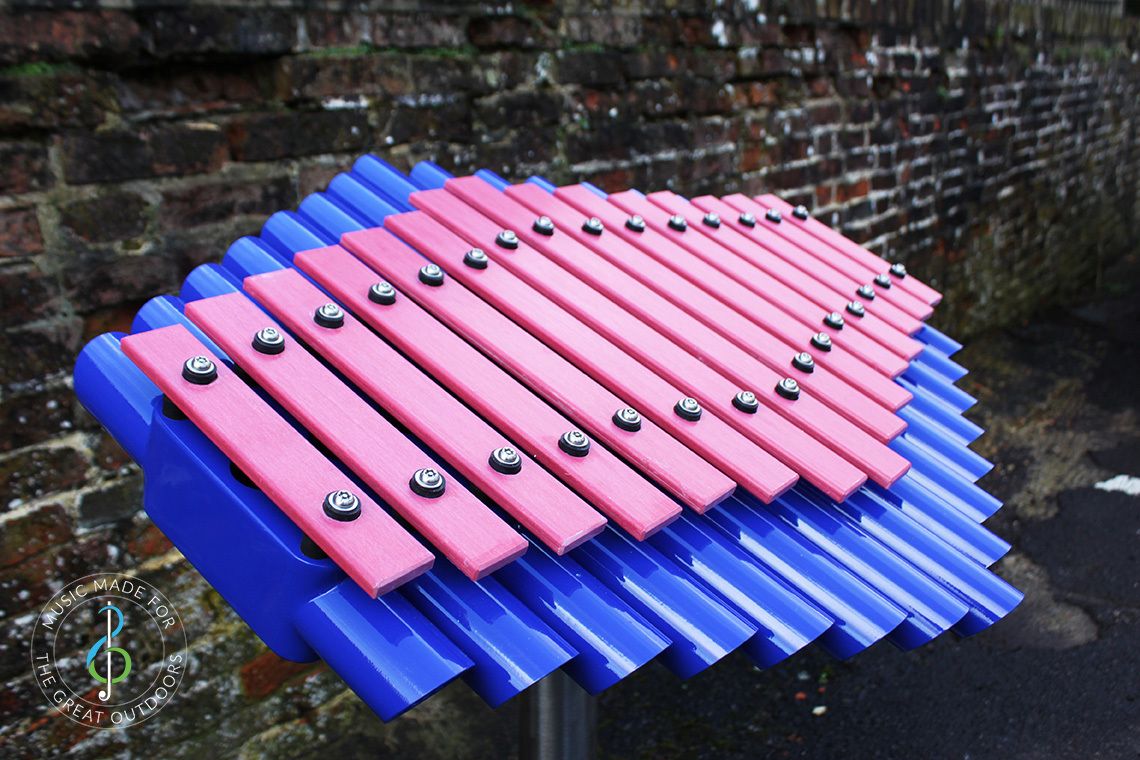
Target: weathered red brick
<point>55,35</point>
<point>224,199</point>
<point>265,137</point>
<point>32,532</point>
<point>178,149</point>
<point>267,672</point>
<point>19,232</point>
<point>23,168</point>
<point>106,217</point>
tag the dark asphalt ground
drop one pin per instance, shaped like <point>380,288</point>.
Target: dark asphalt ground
<point>1059,678</point>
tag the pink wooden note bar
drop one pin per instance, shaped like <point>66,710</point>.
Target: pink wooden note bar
<point>854,251</point>
<point>896,306</point>
<point>372,548</point>
<point>653,398</point>
<point>730,292</point>
<point>464,529</point>
<point>813,440</point>
<point>856,271</point>
<point>769,256</point>
<point>603,479</point>
<point>433,415</point>
<point>885,322</point>
<point>670,463</point>
<point>759,282</point>
<point>745,334</point>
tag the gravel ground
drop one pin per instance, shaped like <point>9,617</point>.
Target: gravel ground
<point>1060,677</point>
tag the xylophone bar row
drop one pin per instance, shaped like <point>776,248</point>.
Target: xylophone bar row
<point>902,559</point>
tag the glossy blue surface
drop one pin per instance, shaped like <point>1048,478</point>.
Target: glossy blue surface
<point>903,564</point>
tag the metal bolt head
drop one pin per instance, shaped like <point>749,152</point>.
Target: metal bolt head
<point>801,213</point>
<point>543,225</point>
<point>428,482</point>
<point>866,292</point>
<point>635,223</point>
<point>506,460</point>
<point>856,309</point>
<point>593,226</point>
<point>575,443</point>
<point>788,388</point>
<point>772,215</point>
<point>382,293</point>
<point>834,320</point>
<point>688,409</point>
<point>269,340</point>
<point>199,370</point>
<point>746,401</point>
<point>883,281</point>
<point>628,418</point>
<point>804,362</point>
<point>507,239</point>
<point>712,220</point>
<point>476,258</point>
<point>342,505</point>
<point>748,219</point>
<point>898,270</point>
<point>678,223</point>
<point>431,274</point>
<point>329,315</point>
<point>822,341</point>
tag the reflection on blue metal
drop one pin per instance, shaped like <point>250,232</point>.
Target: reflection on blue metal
<point>904,563</point>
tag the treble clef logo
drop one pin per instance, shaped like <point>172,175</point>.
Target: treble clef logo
<point>108,650</point>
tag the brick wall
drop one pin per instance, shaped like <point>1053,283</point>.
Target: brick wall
<point>991,147</point>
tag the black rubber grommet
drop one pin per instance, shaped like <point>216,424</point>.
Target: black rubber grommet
<point>269,340</point>
<point>330,315</point>
<point>688,409</point>
<point>575,443</point>
<point>506,460</point>
<point>834,320</point>
<point>788,388</point>
<point>382,293</point>
<point>342,505</point>
<point>428,482</point>
<point>627,418</point>
<point>543,225</point>
<point>804,362</point>
<point>199,370</point>
<point>746,401</point>
<point>476,258</point>
<point>822,341</point>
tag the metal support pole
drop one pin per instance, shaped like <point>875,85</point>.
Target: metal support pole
<point>558,720</point>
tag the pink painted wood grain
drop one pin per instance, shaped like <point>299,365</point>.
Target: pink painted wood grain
<point>900,308</point>
<point>812,440</point>
<point>854,251</point>
<point>430,413</point>
<point>792,267</point>
<point>759,282</point>
<point>601,478</point>
<point>730,292</point>
<point>846,398</point>
<point>767,242</point>
<point>463,528</point>
<point>372,549</point>
<point>710,438</point>
<point>664,459</point>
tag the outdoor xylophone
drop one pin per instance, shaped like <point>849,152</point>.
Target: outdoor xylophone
<point>430,427</point>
